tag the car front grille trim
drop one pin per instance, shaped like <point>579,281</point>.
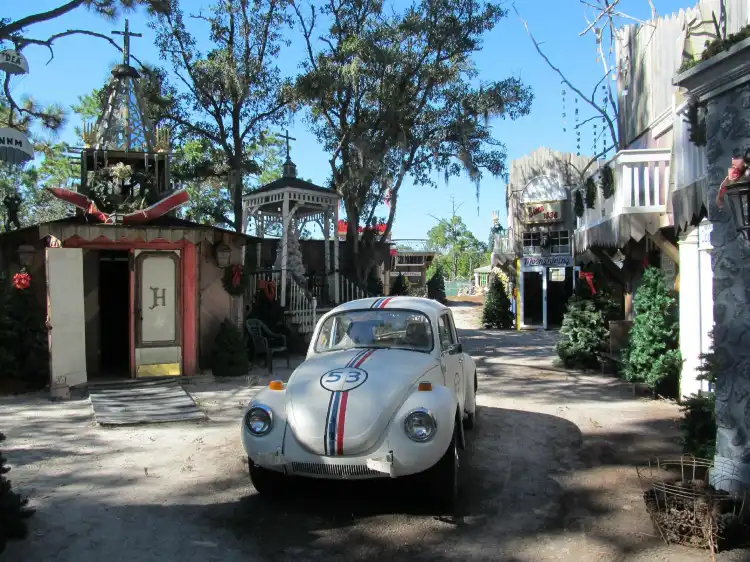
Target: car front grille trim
<point>336,470</point>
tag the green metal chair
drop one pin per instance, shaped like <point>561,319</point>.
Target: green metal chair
<point>263,342</point>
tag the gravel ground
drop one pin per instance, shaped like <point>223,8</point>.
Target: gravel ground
<point>548,475</point>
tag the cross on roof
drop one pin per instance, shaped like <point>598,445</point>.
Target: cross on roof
<point>288,138</point>
<point>127,34</point>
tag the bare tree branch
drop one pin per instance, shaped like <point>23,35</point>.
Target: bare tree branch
<point>23,41</point>
<point>16,26</point>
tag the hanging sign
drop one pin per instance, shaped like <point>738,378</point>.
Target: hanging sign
<point>543,212</point>
<point>547,261</point>
<point>15,147</point>
<point>13,62</point>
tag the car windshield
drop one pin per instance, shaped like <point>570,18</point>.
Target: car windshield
<point>390,328</point>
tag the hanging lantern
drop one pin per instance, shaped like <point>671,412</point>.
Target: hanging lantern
<point>15,147</point>
<point>736,188</point>
<point>26,253</point>
<point>13,62</point>
<point>223,254</point>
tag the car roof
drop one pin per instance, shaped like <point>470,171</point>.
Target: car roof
<point>411,303</point>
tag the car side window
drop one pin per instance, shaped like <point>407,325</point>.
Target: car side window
<point>446,334</point>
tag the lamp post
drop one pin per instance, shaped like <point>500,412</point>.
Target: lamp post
<point>223,255</point>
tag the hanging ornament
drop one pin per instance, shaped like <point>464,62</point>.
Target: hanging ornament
<point>578,129</point>
<point>564,92</point>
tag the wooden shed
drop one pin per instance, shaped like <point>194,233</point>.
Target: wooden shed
<point>127,301</point>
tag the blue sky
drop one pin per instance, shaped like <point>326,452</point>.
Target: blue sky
<point>81,64</point>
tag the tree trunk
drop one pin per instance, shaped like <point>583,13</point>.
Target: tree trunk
<point>235,188</point>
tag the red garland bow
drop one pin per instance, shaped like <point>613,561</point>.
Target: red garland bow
<point>22,280</point>
<point>737,170</point>
<point>589,277</point>
<point>236,275</point>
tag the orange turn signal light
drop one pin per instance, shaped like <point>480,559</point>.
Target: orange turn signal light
<point>424,387</point>
<point>276,385</point>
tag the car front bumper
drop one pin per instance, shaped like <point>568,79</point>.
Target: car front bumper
<point>345,468</point>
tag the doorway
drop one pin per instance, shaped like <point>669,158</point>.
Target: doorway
<point>114,313</point>
<point>532,298</point>
<point>559,290</point>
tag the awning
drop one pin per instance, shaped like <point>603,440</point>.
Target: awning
<point>616,232</point>
<point>687,203</point>
<point>15,147</point>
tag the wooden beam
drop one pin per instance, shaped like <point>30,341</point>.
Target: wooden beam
<point>669,249</point>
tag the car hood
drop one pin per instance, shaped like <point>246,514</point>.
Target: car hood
<point>341,402</point>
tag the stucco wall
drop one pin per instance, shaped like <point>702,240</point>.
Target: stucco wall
<point>728,131</point>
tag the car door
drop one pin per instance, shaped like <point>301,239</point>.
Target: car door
<point>451,357</point>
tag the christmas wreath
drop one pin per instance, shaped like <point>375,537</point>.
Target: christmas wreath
<point>22,280</point>
<point>578,208</point>
<point>607,181</point>
<point>235,280</point>
<point>590,193</point>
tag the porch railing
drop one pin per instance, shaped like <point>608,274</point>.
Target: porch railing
<point>641,186</point>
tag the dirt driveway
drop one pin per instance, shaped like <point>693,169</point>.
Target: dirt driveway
<point>548,476</point>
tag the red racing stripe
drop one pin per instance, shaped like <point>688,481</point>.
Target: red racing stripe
<point>341,422</point>
<point>364,358</point>
<point>385,302</point>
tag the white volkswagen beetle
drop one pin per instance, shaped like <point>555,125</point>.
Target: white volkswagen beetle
<point>385,391</point>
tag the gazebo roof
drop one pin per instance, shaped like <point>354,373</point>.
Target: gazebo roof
<point>295,183</point>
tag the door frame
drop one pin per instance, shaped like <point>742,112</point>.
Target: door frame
<point>521,286</point>
<point>188,273</point>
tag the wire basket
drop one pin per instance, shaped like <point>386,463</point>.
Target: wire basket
<point>687,509</point>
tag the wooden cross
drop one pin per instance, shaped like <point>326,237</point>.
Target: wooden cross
<point>288,138</point>
<point>126,41</point>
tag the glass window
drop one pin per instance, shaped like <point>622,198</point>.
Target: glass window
<point>557,274</point>
<point>380,328</point>
<point>445,331</point>
<point>402,259</point>
<point>560,242</point>
<point>532,243</point>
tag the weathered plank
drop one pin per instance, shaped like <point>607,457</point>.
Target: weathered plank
<point>145,402</point>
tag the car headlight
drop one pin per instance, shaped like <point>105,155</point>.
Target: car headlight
<point>259,420</point>
<point>420,425</point>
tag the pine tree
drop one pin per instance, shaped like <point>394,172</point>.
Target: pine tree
<point>653,354</point>
<point>497,312</point>
<point>400,286</point>
<point>583,334</point>
<point>436,285</point>
<point>13,508</point>
<point>294,264</point>
<point>230,352</point>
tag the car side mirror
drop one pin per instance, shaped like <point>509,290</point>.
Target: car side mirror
<point>455,349</point>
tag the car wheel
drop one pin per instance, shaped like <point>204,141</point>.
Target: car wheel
<point>444,477</point>
<point>265,481</point>
<point>471,418</point>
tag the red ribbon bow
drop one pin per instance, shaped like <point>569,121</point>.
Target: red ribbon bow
<point>236,275</point>
<point>589,277</point>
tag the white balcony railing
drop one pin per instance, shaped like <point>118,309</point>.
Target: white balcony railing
<point>641,186</point>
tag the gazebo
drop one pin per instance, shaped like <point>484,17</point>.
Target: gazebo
<point>291,202</point>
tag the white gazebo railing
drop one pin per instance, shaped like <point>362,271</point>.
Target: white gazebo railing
<point>641,186</point>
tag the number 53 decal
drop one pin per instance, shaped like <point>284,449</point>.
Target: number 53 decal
<point>344,379</point>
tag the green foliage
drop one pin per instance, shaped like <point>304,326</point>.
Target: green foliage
<point>234,90</point>
<point>584,334</point>
<point>715,47</point>
<point>607,181</point>
<point>578,207</point>
<point>497,313</point>
<point>230,351</point>
<point>13,508</point>
<point>698,426</point>
<point>653,354</point>
<point>590,193</point>
<point>24,348</point>
<point>436,284</point>
<point>400,286</point>
<point>460,251</point>
<point>393,93</point>
<point>374,284</point>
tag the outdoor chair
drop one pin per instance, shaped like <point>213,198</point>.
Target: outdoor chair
<point>263,342</point>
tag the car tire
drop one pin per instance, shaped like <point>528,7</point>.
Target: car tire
<point>471,418</point>
<point>265,481</point>
<point>444,476</point>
